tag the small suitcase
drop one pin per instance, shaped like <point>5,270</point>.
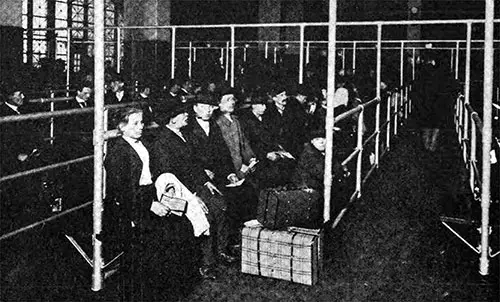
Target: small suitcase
<point>294,255</point>
<point>281,208</point>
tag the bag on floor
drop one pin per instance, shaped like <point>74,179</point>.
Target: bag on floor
<point>279,208</point>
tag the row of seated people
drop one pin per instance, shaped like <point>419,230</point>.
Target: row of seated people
<point>203,148</point>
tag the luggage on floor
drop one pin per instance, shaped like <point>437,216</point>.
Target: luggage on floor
<point>294,255</point>
<point>280,208</point>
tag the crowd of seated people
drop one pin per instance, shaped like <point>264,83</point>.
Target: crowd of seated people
<point>222,145</point>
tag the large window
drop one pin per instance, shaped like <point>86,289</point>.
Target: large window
<point>77,14</point>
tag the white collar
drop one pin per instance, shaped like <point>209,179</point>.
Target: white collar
<point>131,140</point>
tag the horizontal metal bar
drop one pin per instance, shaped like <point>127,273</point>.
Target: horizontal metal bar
<point>350,157</point>
<point>46,168</point>
<point>79,249</point>
<point>113,260</point>
<point>372,168</point>
<point>34,225</point>
<point>460,237</point>
<point>338,41</point>
<point>312,24</point>
<point>59,113</point>
<point>370,138</point>
<point>344,210</point>
<point>52,100</point>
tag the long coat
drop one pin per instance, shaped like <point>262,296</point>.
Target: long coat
<point>156,246</point>
<point>238,145</point>
<point>282,128</point>
<point>126,203</point>
<point>258,135</point>
<point>211,149</point>
<point>170,154</point>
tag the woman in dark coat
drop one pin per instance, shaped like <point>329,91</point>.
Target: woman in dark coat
<point>157,249</point>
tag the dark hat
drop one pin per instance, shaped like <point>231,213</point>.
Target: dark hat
<point>318,132</point>
<point>170,110</point>
<point>259,97</point>
<point>300,90</point>
<point>205,98</point>
<point>228,90</point>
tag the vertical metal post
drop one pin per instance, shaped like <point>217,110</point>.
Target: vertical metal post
<point>360,148</point>
<point>487,134</point>
<point>388,120</point>
<point>395,111</point>
<point>52,95</point>
<point>301,54</point>
<point>413,63</point>
<point>233,49</point>
<point>406,100</point>
<point>118,49</point>
<point>275,55</point>
<point>473,151</point>
<point>379,79</point>
<point>266,50</point>
<point>172,54</point>
<point>343,59</point>
<point>68,60</point>
<point>354,58</point>
<point>194,54</point>
<point>222,57</point>
<point>465,129</point>
<point>332,53</point>
<point>97,275</point>
<point>308,52</point>
<point>227,62</point>
<point>190,59</point>
<point>245,54</point>
<point>401,64</point>
<point>457,58</point>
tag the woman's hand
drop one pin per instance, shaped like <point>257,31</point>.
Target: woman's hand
<point>159,209</point>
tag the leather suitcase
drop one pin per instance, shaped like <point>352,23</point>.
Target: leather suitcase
<point>294,255</point>
<point>281,208</point>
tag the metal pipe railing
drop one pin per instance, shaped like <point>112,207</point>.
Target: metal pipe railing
<point>99,57</point>
<point>329,123</point>
<point>487,134</point>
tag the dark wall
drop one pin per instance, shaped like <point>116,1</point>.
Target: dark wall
<point>11,50</point>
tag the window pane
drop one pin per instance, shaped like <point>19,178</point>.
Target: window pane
<point>25,7</point>
<point>61,23</point>
<point>39,22</point>
<point>61,48</point>
<point>61,34</point>
<point>110,18</point>
<point>91,15</point>
<point>77,13</point>
<point>109,35</point>
<point>25,21</point>
<point>39,46</point>
<point>61,10</point>
<point>40,7</point>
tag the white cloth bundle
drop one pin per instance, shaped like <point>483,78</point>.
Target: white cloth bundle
<point>194,211</point>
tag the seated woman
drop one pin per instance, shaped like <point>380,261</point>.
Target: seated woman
<point>156,248</point>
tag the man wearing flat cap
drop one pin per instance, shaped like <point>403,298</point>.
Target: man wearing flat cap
<point>173,153</point>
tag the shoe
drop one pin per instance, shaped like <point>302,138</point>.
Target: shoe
<point>227,258</point>
<point>207,273</point>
